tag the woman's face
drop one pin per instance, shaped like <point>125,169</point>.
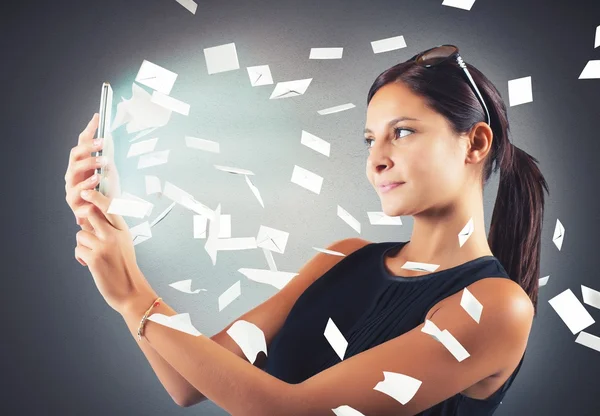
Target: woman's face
<point>424,153</point>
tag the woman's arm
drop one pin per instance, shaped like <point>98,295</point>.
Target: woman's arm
<point>269,316</point>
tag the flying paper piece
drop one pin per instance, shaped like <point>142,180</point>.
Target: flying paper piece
<point>388,44</point>
<point>332,252</point>
<point>149,205</point>
<point>519,91</point>
<point>431,329</point>
<point>591,70</point>
<point>140,233</point>
<point>213,233</point>
<point>225,226</point>
<point>162,215</point>
<point>307,179</point>
<point>270,259</point>
<point>597,39</point>
<point>465,233</point>
<point>348,219</point>
<point>336,109</point>
<point>315,143</point>
<point>346,410</point>
<point>153,159</point>
<point>335,338</point>
<point>260,75</point>
<point>255,191</point>
<point>459,4</point>
<point>379,218</point>
<point>588,340</point>
<point>236,243</point>
<point>272,239</point>
<point>290,88</point>
<point>139,112</point>
<point>156,77</point>
<point>199,226</point>
<point>571,311</point>
<point>543,280</point>
<point>202,144</point>
<point>185,286</point>
<point>127,208</point>
<point>420,267</point>
<point>326,53</point>
<point>559,234</point>
<point>277,279</point>
<point>236,171</point>
<point>452,345</point>
<point>189,4</point>
<point>180,322</point>
<point>398,386</point>
<point>591,296</point>
<point>142,134</point>
<point>249,337</point>
<point>185,199</point>
<point>230,295</point>
<point>152,184</point>
<point>170,103</point>
<point>470,304</point>
<point>142,147</point>
<point>221,58</point>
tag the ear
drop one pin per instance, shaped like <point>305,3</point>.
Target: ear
<point>480,142</point>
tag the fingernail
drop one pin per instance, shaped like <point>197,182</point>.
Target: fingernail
<point>93,177</point>
<point>85,193</point>
<point>97,142</point>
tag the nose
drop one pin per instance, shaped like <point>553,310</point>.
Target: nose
<point>378,159</point>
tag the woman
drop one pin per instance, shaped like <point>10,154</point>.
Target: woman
<point>436,128</point>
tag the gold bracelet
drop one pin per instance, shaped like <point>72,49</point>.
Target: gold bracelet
<point>140,330</point>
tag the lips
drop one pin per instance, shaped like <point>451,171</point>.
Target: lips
<point>389,186</point>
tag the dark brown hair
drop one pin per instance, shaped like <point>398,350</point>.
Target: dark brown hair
<point>516,227</point>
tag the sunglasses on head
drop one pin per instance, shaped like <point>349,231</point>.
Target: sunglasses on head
<point>441,53</point>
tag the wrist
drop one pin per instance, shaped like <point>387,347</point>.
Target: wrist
<point>136,305</point>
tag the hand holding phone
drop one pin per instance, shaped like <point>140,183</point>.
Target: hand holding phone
<point>108,184</point>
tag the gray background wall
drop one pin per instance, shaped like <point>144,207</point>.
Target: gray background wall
<point>66,352</point>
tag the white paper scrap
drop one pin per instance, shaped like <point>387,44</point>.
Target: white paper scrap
<point>277,279</point>
<point>591,70</point>
<point>543,280</point>
<point>221,58</point>
<point>170,103</point>
<point>588,340</point>
<point>189,4</point>
<point>346,410</point>
<point>260,75</point>
<point>348,219</point>
<point>152,184</point>
<point>163,214</point>
<point>230,295</point>
<point>185,286</point>
<point>272,239</point>
<point>388,44</point>
<point>571,311</point>
<point>466,232</point>
<point>379,218</point>
<point>156,77</point>
<point>459,4</point>
<point>202,144</point>
<point>236,243</point>
<point>307,179</point>
<point>590,296</point>
<point>332,252</point>
<point>249,337</point>
<point>127,208</point>
<point>236,171</point>
<point>519,91</point>
<point>315,143</point>
<point>290,88</point>
<point>398,386</point>
<point>420,267</point>
<point>153,159</point>
<point>559,234</point>
<point>336,109</point>
<point>140,233</point>
<point>255,191</point>
<point>471,305</point>
<point>335,338</point>
<point>142,147</point>
<point>180,322</point>
<point>270,260</point>
<point>326,53</point>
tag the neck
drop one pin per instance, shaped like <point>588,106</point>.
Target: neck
<point>434,238</point>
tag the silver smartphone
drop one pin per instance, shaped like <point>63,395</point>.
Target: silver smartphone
<point>104,131</point>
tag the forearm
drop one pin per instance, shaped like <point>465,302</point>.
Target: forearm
<point>226,379</point>
<point>182,392</point>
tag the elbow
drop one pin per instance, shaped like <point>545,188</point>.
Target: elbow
<point>188,401</point>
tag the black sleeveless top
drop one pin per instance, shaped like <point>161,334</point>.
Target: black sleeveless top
<point>371,306</point>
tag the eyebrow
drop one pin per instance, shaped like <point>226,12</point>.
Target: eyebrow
<point>394,121</point>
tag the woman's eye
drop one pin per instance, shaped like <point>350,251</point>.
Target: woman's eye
<point>397,134</point>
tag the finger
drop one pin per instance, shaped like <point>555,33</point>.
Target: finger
<point>97,220</point>
<point>81,168</point>
<point>85,224</point>
<point>88,240</point>
<point>88,133</point>
<point>102,203</point>
<point>83,255</point>
<point>74,195</point>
